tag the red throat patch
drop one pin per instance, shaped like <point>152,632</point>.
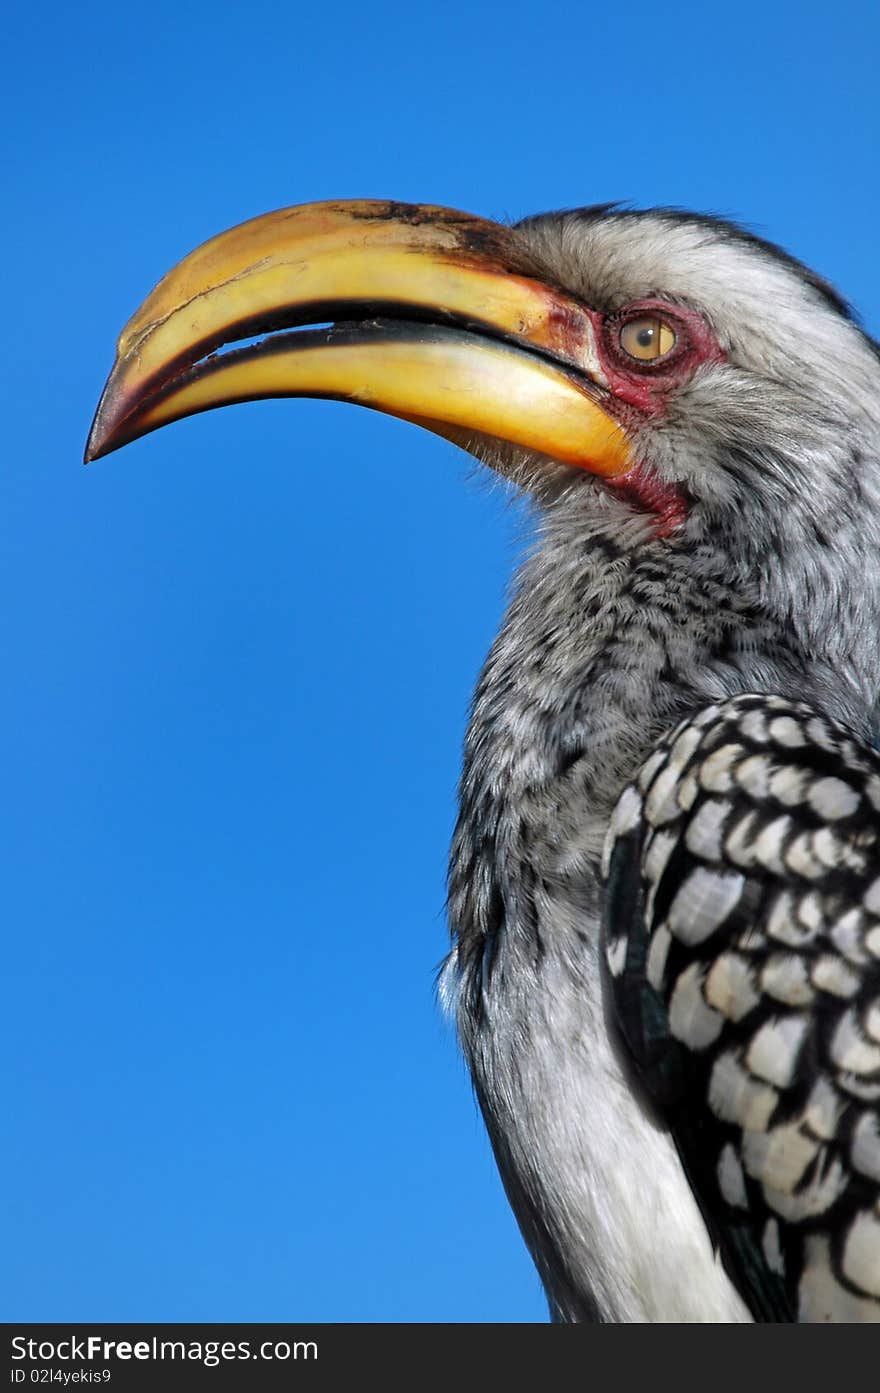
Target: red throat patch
<point>642,488</point>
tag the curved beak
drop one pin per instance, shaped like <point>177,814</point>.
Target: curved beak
<point>433,317</point>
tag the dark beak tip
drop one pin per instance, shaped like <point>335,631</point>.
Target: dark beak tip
<point>100,444</point>
<point>95,443</point>
<point>105,431</point>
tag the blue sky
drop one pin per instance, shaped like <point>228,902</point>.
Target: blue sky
<point>237,656</point>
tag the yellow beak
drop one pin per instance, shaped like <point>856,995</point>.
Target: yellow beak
<point>434,317</point>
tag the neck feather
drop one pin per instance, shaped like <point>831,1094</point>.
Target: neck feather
<point>612,636</point>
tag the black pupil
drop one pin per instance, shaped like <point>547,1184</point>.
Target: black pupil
<point>645,337</point>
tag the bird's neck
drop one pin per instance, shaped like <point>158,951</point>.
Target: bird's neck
<point>612,637</point>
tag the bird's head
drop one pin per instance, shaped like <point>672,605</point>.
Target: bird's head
<point>731,366</point>
<point>668,376</point>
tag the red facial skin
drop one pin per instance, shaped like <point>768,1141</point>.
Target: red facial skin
<point>642,488</point>
<point>642,389</point>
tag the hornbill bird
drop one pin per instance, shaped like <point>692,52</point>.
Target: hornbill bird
<point>664,891</point>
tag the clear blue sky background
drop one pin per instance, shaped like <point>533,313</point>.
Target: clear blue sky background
<point>237,657</point>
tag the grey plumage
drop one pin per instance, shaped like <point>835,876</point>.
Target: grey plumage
<point>708,552</point>
<point>614,634</point>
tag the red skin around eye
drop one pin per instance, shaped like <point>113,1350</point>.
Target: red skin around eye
<point>646,386</point>
<point>642,390</point>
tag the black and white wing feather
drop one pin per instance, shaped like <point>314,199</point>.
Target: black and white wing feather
<point>742,937</point>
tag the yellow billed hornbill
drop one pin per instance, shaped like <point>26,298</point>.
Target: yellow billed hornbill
<point>665,878</point>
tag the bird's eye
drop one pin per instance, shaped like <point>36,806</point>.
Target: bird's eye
<point>647,338</point>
